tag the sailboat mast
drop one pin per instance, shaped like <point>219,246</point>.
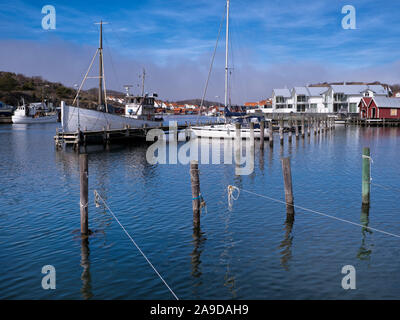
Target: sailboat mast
<point>226,53</point>
<point>143,77</point>
<point>101,65</point>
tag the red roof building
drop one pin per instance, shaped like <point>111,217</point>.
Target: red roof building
<point>379,108</point>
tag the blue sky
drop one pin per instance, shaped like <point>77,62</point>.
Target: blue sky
<point>274,43</point>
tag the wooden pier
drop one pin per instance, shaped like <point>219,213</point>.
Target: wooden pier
<point>107,135</point>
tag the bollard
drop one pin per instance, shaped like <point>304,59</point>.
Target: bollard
<point>195,182</point>
<point>287,179</point>
<point>366,175</point>
<point>84,177</point>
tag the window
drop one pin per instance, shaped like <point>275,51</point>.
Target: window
<point>353,107</point>
<point>289,106</point>
<point>393,112</point>
<point>301,98</point>
<point>313,106</point>
<point>280,99</point>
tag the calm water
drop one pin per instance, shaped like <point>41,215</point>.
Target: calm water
<point>246,253</point>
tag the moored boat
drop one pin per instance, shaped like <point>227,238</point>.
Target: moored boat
<point>37,112</point>
<point>139,109</point>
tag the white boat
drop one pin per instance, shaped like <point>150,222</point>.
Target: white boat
<point>225,130</point>
<point>137,115</point>
<point>139,110</point>
<point>34,113</point>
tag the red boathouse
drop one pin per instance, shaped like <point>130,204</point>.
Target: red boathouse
<point>379,108</point>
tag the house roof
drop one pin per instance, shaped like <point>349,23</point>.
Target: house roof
<point>316,91</point>
<point>282,93</point>
<point>385,102</point>
<point>358,88</point>
<point>251,104</point>
<point>302,91</point>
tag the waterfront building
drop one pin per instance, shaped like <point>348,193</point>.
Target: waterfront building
<point>379,108</point>
<point>324,99</point>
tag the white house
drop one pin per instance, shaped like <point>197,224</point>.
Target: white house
<point>346,98</point>
<point>282,101</point>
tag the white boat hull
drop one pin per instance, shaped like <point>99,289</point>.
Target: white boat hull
<point>26,120</point>
<point>93,120</point>
<point>225,131</point>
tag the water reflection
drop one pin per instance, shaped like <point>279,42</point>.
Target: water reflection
<point>198,247</point>
<point>86,289</point>
<point>364,253</point>
<point>286,244</point>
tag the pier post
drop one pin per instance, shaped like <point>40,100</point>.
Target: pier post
<point>309,122</point>
<point>262,129</point>
<point>302,127</point>
<point>84,177</point>
<point>296,129</point>
<point>252,133</point>
<point>290,131</point>
<point>287,179</point>
<point>315,126</point>
<point>281,131</point>
<point>271,134</point>
<point>195,182</point>
<point>366,175</point>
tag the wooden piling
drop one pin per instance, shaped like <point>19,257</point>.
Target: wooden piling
<point>287,179</point>
<point>296,129</point>
<point>84,177</point>
<point>262,128</point>
<point>252,133</point>
<point>290,131</point>
<point>271,134</point>
<point>302,127</point>
<point>237,131</point>
<point>366,176</point>
<point>281,131</point>
<point>195,182</point>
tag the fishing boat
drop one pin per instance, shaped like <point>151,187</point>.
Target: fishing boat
<point>139,109</point>
<point>38,112</point>
<point>227,130</point>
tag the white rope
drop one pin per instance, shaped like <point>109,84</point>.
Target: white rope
<point>370,162</point>
<point>98,197</point>
<point>231,196</point>
<point>313,211</point>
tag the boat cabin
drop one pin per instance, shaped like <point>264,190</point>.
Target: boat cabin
<point>140,107</point>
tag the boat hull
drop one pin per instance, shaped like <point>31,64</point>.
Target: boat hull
<point>17,119</point>
<point>73,118</point>
<point>226,132</point>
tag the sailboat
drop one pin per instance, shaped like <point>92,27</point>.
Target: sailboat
<point>139,109</point>
<point>227,130</point>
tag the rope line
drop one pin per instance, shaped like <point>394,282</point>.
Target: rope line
<point>98,197</point>
<point>313,211</point>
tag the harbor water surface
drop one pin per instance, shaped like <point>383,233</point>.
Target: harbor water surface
<point>248,252</point>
